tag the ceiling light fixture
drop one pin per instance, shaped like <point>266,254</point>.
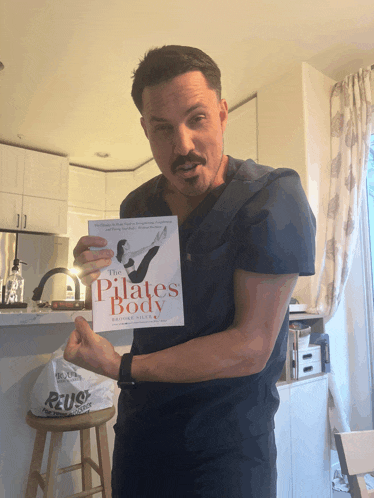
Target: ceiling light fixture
<point>103,155</point>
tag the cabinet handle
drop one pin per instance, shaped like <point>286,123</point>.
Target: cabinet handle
<point>18,219</point>
<point>307,356</point>
<point>25,220</point>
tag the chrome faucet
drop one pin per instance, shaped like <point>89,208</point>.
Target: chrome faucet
<point>38,290</point>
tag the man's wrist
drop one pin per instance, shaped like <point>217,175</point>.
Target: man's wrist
<point>125,379</point>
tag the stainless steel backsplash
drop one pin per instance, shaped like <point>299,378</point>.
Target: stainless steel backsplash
<point>41,253</point>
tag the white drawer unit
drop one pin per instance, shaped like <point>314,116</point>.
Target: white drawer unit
<point>309,361</point>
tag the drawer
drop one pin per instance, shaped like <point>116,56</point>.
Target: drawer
<point>309,369</point>
<point>309,361</point>
<point>310,354</point>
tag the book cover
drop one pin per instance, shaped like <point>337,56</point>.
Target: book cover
<point>143,286</point>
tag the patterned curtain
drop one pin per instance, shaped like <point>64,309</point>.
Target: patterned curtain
<point>350,143</point>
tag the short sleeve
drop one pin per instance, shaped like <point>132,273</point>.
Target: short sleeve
<point>275,230</point>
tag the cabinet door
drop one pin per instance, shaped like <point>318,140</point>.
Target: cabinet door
<point>46,175</point>
<point>283,442</point>
<point>12,163</point>
<point>10,211</point>
<point>310,438</point>
<point>78,226</point>
<point>118,186</point>
<point>44,215</point>
<point>86,188</point>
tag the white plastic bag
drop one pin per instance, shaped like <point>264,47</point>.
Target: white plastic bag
<point>63,389</point>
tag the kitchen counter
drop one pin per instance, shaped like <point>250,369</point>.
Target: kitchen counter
<point>19,317</point>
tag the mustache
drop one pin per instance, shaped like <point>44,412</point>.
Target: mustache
<point>191,157</point>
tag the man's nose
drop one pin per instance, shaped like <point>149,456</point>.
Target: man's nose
<point>183,142</point>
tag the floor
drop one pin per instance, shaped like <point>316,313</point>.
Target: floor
<point>340,494</point>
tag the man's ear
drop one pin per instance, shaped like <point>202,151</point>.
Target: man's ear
<point>223,113</point>
<point>144,126</point>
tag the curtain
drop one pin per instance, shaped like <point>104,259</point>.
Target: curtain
<point>351,110</point>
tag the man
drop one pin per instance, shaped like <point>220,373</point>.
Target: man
<point>198,419</point>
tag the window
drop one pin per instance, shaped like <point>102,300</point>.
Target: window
<point>370,197</point>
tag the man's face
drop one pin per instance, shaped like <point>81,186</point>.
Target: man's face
<point>184,123</point>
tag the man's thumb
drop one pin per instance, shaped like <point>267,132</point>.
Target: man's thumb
<point>82,327</point>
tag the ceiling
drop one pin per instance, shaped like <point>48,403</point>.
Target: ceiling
<point>65,87</point>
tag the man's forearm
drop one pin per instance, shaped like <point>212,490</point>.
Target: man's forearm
<point>220,355</point>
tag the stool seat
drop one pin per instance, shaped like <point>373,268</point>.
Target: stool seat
<point>66,424</point>
<point>57,426</point>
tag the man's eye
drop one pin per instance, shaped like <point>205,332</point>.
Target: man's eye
<point>197,120</point>
<point>164,127</point>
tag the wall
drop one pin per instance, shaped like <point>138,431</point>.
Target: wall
<point>294,131</point>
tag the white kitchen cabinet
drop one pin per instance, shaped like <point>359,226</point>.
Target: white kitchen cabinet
<point>302,437</point>
<point>118,186</point>
<point>310,438</point>
<point>87,188</point>
<point>33,191</point>
<point>10,211</point>
<point>44,215</point>
<point>32,214</point>
<point>283,442</point>
<point>78,226</point>
<point>46,175</point>
<point>12,166</point>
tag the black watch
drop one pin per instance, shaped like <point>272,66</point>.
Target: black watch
<point>125,379</point>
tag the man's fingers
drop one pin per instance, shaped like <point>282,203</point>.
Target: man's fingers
<point>91,271</point>
<point>83,330</point>
<point>71,346</point>
<point>84,243</point>
<point>87,280</point>
<point>88,256</point>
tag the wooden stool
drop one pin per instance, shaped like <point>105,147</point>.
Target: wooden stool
<point>57,426</point>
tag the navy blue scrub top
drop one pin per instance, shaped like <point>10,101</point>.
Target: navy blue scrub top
<point>270,230</point>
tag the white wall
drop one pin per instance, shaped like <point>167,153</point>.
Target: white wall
<point>294,131</point>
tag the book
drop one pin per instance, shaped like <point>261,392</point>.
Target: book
<point>143,286</point>
<point>293,340</point>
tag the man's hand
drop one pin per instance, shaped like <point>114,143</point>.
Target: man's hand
<point>91,351</point>
<point>91,262</point>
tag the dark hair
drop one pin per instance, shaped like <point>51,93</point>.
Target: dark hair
<point>165,63</point>
<point>120,251</point>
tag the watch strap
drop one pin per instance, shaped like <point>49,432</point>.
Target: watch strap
<point>125,379</point>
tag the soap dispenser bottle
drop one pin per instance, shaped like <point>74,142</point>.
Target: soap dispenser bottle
<point>15,284</point>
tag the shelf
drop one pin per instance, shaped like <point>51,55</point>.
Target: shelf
<point>304,316</point>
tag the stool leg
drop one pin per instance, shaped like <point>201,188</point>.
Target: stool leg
<point>104,460</point>
<point>86,453</point>
<point>36,464</point>
<point>52,467</point>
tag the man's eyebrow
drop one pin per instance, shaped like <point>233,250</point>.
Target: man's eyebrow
<point>158,120</point>
<point>163,120</point>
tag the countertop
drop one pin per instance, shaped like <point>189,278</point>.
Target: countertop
<point>43,317</point>
<point>47,316</point>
